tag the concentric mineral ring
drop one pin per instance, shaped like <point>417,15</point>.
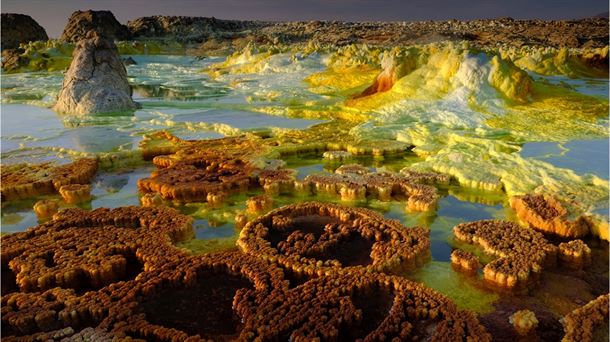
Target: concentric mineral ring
<point>315,239</point>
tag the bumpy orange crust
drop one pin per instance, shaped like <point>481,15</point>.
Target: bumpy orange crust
<point>304,237</point>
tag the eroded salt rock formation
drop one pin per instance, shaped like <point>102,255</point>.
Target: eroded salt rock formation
<point>279,181</point>
<point>261,203</point>
<point>75,193</point>
<point>315,238</point>
<point>354,182</point>
<point>151,200</point>
<point>20,28</point>
<point>68,271</point>
<point>546,214</point>
<point>96,81</point>
<point>193,181</point>
<point>110,242</point>
<point>524,321</point>
<point>580,324</point>
<point>574,254</point>
<point>21,181</point>
<point>46,208</point>
<point>522,253</point>
<point>211,296</point>
<point>465,261</point>
<point>200,171</point>
<point>103,22</point>
<point>360,306</point>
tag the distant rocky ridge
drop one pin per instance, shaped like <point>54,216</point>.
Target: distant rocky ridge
<point>211,36</point>
<point>20,28</point>
<point>189,29</point>
<point>104,22</point>
<point>592,32</point>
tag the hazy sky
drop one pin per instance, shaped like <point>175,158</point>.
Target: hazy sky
<point>52,15</point>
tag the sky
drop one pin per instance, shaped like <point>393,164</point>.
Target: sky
<point>53,15</point>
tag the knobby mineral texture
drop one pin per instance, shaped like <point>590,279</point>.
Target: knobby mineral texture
<point>21,181</point>
<point>354,182</point>
<point>575,254</point>
<point>522,253</point>
<point>580,324</point>
<point>211,296</point>
<point>546,214</point>
<point>360,306</point>
<point>314,239</point>
<point>82,250</point>
<point>524,321</point>
<point>67,271</point>
<point>197,169</point>
<point>465,261</point>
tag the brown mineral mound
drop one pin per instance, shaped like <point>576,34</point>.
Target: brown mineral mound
<point>575,254</point>
<point>102,22</point>
<point>199,171</point>
<point>465,261</point>
<point>212,296</point>
<point>258,204</point>
<point>67,334</point>
<point>46,208</point>
<point>354,182</point>
<point>75,193</point>
<point>362,306</point>
<point>546,214</point>
<point>66,272</point>
<point>314,239</point>
<point>277,181</point>
<point>193,181</point>
<point>18,29</point>
<point>581,324</point>
<point>524,321</point>
<point>88,250</point>
<point>521,252</point>
<point>30,180</point>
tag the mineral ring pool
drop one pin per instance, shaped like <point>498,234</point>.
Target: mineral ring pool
<point>416,193</point>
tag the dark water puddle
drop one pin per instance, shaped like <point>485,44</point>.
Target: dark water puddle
<point>355,251</point>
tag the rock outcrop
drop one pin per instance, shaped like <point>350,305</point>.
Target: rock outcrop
<point>20,28</point>
<point>590,32</point>
<point>96,81</point>
<point>187,29</point>
<point>103,22</point>
<point>12,59</point>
